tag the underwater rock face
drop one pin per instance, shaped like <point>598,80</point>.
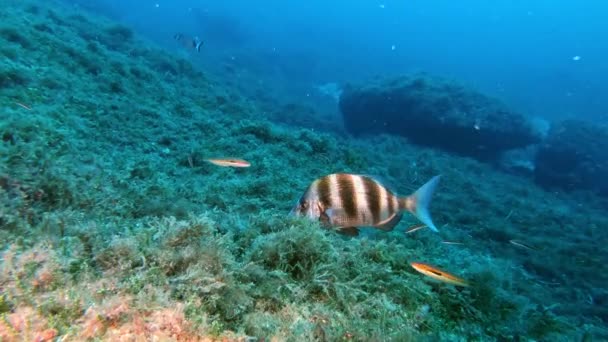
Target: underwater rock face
<point>435,112</point>
<point>574,156</point>
<point>519,161</point>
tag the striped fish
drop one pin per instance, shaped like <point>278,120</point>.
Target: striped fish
<point>347,201</point>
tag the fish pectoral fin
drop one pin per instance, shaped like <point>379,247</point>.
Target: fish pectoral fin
<point>333,212</point>
<point>324,219</point>
<point>335,216</point>
<point>389,223</point>
<point>349,231</point>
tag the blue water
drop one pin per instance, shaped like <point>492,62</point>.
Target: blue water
<point>544,58</point>
<point>107,131</point>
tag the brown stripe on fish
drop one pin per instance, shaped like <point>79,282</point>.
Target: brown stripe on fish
<point>390,203</point>
<point>383,199</point>
<point>347,195</point>
<point>334,192</point>
<point>361,199</point>
<point>322,189</point>
<point>372,191</point>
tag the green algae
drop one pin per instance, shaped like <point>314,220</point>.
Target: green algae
<point>110,176</point>
<point>5,306</point>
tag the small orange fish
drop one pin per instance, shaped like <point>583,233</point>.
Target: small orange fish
<point>435,273</point>
<point>231,162</point>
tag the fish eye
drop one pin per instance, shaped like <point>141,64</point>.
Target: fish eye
<point>303,205</point>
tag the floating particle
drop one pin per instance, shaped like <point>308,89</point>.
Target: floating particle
<point>477,125</point>
<point>576,58</point>
<point>382,6</point>
<point>393,47</point>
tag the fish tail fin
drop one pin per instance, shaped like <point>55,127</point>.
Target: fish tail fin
<point>197,43</point>
<point>418,203</point>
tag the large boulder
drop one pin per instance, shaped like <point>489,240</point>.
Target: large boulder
<point>436,112</point>
<point>574,156</point>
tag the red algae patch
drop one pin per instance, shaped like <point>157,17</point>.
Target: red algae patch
<point>25,324</point>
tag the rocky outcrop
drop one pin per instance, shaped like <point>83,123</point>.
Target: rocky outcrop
<point>435,112</point>
<point>574,156</point>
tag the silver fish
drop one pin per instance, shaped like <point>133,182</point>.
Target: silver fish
<point>347,201</point>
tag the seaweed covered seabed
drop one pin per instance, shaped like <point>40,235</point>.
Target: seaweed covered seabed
<point>113,227</point>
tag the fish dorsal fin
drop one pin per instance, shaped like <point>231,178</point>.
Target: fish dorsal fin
<point>389,224</point>
<point>381,180</point>
<point>349,231</point>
